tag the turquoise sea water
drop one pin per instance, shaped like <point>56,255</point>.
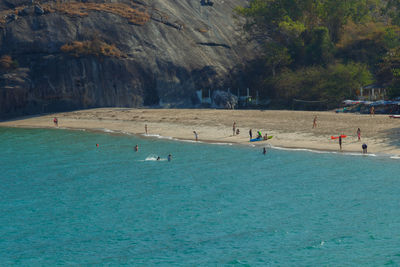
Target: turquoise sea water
<point>65,201</point>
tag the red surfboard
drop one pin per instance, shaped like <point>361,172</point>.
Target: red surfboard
<point>337,137</point>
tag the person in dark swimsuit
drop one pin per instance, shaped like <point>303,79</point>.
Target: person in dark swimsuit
<point>340,142</point>
<point>364,148</point>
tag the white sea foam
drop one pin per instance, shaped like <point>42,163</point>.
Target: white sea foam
<point>303,149</point>
<point>154,158</point>
<point>107,130</point>
<point>222,144</point>
<point>159,136</point>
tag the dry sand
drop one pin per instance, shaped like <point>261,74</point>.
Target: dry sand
<point>291,129</point>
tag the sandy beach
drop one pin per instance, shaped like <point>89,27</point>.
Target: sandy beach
<point>291,129</point>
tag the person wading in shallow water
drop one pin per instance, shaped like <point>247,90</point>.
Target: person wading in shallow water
<point>264,151</point>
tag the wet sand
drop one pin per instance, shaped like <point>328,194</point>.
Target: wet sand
<point>291,129</point>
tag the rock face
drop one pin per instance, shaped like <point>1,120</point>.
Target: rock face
<point>166,51</point>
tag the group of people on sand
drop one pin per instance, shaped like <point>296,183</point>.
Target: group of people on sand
<point>259,135</point>
<point>234,130</point>
<point>364,146</point>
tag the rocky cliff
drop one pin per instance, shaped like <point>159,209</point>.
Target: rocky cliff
<point>63,55</point>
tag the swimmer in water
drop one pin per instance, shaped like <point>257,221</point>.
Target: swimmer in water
<point>136,148</point>
<point>158,158</point>
<point>169,157</point>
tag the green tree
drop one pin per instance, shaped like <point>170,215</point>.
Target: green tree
<point>276,56</point>
<point>331,84</point>
<point>320,48</point>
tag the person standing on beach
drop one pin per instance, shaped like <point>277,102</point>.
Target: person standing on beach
<point>136,148</point>
<point>145,128</point>
<point>250,134</point>
<point>55,120</point>
<point>372,111</point>
<point>359,134</point>
<point>364,148</point>
<point>234,128</point>
<point>196,135</point>
<point>315,122</point>
<point>340,142</point>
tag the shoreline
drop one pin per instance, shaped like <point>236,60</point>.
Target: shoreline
<point>291,129</point>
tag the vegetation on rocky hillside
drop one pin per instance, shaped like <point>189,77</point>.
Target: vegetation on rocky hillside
<point>325,50</point>
<point>136,14</point>
<point>94,47</point>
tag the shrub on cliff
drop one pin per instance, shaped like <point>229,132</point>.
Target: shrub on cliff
<point>94,47</point>
<point>7,63</point>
